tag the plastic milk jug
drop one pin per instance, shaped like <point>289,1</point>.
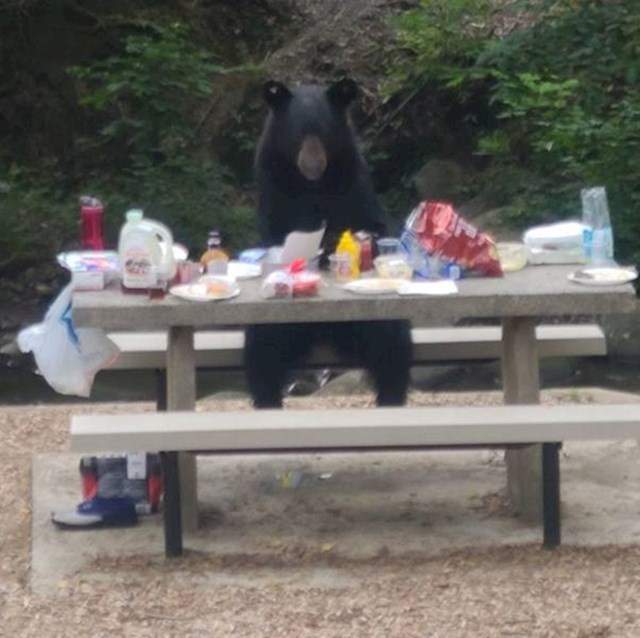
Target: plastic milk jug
<point>145,252</point>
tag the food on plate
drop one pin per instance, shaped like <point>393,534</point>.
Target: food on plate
<point>217,286</point>
<point>604,276</point>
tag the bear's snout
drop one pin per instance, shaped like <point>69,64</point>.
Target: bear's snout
<point>312,158</point>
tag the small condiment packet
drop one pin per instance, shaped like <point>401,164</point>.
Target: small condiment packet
<point>440,287</point>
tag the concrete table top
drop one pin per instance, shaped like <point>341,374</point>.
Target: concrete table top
<point>536,291</point>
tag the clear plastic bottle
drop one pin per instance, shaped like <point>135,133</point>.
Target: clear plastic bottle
<point>215,260</point>
<point>417,255</point>
<point>598,234</point>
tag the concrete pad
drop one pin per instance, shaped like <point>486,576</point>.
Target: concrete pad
<point>347,505</point>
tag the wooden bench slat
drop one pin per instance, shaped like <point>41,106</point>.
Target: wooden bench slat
<point>351,428</point>
<point>223,348</point>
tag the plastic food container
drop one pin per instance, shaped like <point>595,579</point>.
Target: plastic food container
<point>340,265</point>
<point>389,246</point>
<point>512,255</point>
<point>305,284</point>
<point>393,266</point>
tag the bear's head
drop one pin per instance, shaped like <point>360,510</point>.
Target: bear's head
<point>309,125</point>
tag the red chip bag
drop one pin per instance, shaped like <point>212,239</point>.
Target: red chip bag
<point>442,232</point>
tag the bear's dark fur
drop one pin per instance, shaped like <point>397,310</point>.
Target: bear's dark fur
<point>309,172</point>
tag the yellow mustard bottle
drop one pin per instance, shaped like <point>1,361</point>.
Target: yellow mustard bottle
<point>348,244</point>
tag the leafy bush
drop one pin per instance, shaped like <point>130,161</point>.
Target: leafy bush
<point>150,97</point>
<point>191,198</point>
<point>145,93</point>
<point>35,223</point>
<point>562,95</point>
<point>143,106</point>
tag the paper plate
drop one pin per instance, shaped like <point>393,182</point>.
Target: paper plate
<point>603,276</point>
<point>243,270</point>
<point>201,291</point>
<point>377,286</point>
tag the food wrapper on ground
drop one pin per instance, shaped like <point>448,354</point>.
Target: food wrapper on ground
<point>295,281</point>
<point>452,239</point>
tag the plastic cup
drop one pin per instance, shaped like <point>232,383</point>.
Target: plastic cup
<point>340,266</point>
<point>389,246</point>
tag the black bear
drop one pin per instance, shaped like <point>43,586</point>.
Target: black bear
<point>309,172</point>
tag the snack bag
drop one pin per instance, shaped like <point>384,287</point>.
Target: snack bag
<point>452,239</point>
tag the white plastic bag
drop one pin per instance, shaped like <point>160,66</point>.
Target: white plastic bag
<point>67,358</point>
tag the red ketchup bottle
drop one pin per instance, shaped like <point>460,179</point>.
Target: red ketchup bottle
<point>91,212</point>
<point>366,250</point>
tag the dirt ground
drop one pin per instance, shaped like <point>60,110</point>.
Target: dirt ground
<point>299,587</point>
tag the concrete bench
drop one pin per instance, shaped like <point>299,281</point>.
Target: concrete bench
<point>222,349</point>
<point>313,431</point>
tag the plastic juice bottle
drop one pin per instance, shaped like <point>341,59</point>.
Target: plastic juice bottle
<point>91,212</point>
<point>214,261</point>
<point>347,244</point>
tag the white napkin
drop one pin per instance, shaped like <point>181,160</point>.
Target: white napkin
<point>440,287</point>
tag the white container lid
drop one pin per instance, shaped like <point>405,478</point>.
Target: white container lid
<point>562,234</point>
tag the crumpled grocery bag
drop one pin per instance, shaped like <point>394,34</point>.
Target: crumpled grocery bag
<point>67,358</point>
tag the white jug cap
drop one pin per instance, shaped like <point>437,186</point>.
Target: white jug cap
<point>134,215</point>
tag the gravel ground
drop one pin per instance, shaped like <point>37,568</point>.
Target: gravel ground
<point>501,591</point>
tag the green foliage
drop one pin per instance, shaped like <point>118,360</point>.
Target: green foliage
<point>150,97</point>
<point>190,197</point>
<point>143,106</point>
<point>39,220</point>
<point>146,93</point>
<point>35,224</point>
<point>563,98</point>
<point>431,37</point>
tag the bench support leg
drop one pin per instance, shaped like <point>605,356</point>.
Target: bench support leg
<point>161,390</point>
<point>172,516</point>
<point>521,384</point>
<point>181,395</point>
<point>551,494</point>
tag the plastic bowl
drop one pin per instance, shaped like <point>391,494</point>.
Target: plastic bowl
<point>394,266</point>
<point>512,255</point>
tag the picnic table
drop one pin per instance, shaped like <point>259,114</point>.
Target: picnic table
<point>519,300</point>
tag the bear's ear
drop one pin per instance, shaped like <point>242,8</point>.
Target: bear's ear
<point>275,94</point>
<point>342,93</point>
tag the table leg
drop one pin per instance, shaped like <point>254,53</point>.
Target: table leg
<point>181,395</point>
<point>551,494</point>
<point>172,517</point>
<point>521,384</point>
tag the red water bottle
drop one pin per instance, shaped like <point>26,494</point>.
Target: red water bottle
<point>91,210</point>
